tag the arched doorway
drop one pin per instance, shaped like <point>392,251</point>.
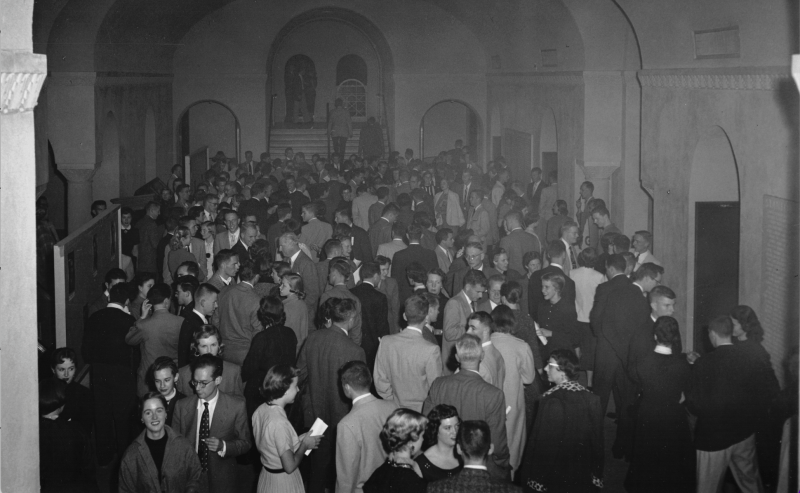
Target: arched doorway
<point>105,185</point>
<point>352,78</point>
<point>548,144</point>
<point>211,124</point>
<point>713,232</point>
<point>300,88</point>
<point>149,145</point>
<point>444,123</point>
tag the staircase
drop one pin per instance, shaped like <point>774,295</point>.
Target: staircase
<point>311,141</point>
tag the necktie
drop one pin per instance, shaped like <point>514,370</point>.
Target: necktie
<point>472,306</point>
<point>466,193</point>
<point>202,448</point>
<point>572,258</point>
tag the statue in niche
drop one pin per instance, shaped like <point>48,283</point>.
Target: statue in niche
<point>300,81</point>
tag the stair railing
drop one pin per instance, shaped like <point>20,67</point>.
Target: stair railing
<point>385,122</point>
<point>327,120</point>
<point>270,122</point>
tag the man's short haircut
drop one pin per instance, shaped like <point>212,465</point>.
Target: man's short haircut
<point>143,277</point>
<point>587,257</point>
<point>369,270</point>
<point>98,203</point>
<point>161,363</point>
<point>622,243</point>
<point>191,266</point>
<point>588,185</point>
<point>646,236</point>
<point>416,272</point>
<point>331,247</point>
<point>249,269</point>
<point>617,261</point>
<point>443,234</point>
<point>382,192</point>
<point>568,224</point>
<point>475,278</point>
<point>437,272</point>
<point>52,395</point>
<point>433,300</point>
<point>514,216</point>
<point>722,326</point>
<point>114,274</point>
<point>475,439</point>
<point>223,257</point>
<point>158,293</point>
<point>383,260</point>
<point>312,208</point>
<point>126,211</point>
<point>204,290</point>
<point>207,360</point>
<point>390,208</point>
<point>284,209</point>
<point>474,244</point>
<point>187,284</point>
<point>356,374</point>
<point>556,249</point>
<point>483,318</point>
<point>62,354</point>
<point>340,265</point>
<point>414,232</point>
<point>478,192</point>
<point>602,210</point>
<point>648,269</point>
<point>659,292</point>
<point>119,294</point>
<point>557,279</point>
<point>345,212</point>
<point>416,309</point>
<point>398,230</point>
<point>404,200</point>
<point>152,204</point>
<point>468,348</point>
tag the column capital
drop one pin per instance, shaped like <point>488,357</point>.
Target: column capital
<point>597,170</point>
<point>77,173</point>
<point>21,78</point>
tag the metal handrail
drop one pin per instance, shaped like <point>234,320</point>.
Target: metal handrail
<point>386,123</point>
<point>270,122</point>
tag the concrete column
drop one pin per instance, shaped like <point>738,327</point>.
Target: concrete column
<point>79,193</point>
<point>599,174</point>
<point>796,76</point>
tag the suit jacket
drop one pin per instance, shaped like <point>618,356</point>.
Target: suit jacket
<point>342,292</point>
<point>241,250</point>
<point>156,336</point>
<point>493,367</point>
<point>444,260</point>
<point>389,287</point>
<point>237,319</point>
<point>98,304</point>
<point>584,218</point>
<point>324,352</point>
<point>198,253</point>
<point>275,345</point>
<point>474,481</point>
<point>554,227</point>
<point>361,208</point>
<point>517,243</point>
<point>216,281</point>
<point>222,241</point>
<point>474,399</point>
<point>171,405</point>
<point>231,383</point>
<point>478,222</point>
<point>273,233</point>
<point>645,258</point>
<point>374,318</point>
<point>380,232</point>
<point>104,339</point>
<point>305,267</point>
<point>150,234</point>
<point>389,249</point>
<point>375,211</point>
<point>404,258</point>
<point>405,368</point>
<point>456,311</point>
<point>358,446</point>
<point>314,234</point>
<point>619,309</point>
<point>535,296</point>
<point>229,423</point>
<point>534,196</point>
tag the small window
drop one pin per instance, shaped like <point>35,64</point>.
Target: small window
<point>354,95</point>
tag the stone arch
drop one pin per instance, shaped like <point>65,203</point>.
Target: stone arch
<point>183,143</point>
<point>105,185</point>
<point>473,129</point>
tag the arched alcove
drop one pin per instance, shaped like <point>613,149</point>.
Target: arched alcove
<point>211,124</point>
<point>548,143</point>
<point>105,185</point>
<point>149,145</point>
<point>713,232</point>
<point>445,122</point>
<point>352,67</point>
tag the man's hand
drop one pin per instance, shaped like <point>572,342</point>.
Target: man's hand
<point>214,444</point>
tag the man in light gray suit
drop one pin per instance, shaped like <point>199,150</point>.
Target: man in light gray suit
<point>407,364</point>
<point>226,239</point>
<point>518,242</point>
<point>196,247</point>
<point>444,248</point>
<point>456,312</point>
<point>358,445</point>
<point>237,314</point>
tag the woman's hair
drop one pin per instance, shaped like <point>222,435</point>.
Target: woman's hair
<point>401,428</point>
<point>204,332</point>
<point>748,319</point>
<point>557,279</point>
<point>435,418</point>
<point>281,268</point>
<point>151,395</point>
<point>512,292</point>
<point>344,309</point>
<point>62,354</point>
<point>324,313</point>
<point>277,382</point>
<point>504,320</point>
<point>567,362</point>
<point>497,253</point>
<point>270,312</point>
<point>181,232</point>
<point>292,225</point>
<point>587,257</point>
<point>52,395</point>
<point>532,255</point>
<point>295,284</point>
<point>668,333</point>
<point>261,251</point>
<point>563,210</point>
<point>143,277</point>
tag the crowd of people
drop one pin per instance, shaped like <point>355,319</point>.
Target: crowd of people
<point>373,325</point>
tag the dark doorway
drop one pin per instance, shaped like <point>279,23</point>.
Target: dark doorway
<point>549,164</point>
<point>716,266</point>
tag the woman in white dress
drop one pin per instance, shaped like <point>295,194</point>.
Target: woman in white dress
<point>280,448</point>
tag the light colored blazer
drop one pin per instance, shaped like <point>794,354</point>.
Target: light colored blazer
<point>443,259</point>
<point>405,368</point>
<point>479,223</point>
<point>455,215</point>
<point>314,234</point>
<point>237,319</point>
<point>222,241</point>
<point>198,248</point>
<point>456,312</point>
<point>493,368</point>
<point>231,382</point>
<point>358,446</point>
<point>518,359</point>
<point>645,258</point>
<point>361,206</point>
<point>157,336</point>
<point>389,249</point>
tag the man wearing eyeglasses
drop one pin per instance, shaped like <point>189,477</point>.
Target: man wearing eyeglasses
<point>215,424</point>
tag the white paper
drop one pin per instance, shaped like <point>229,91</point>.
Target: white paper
<point>541,338</point>
<point>318,428</point>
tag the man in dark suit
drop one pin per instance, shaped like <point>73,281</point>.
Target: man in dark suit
<point>205,303</point>
<point>359,238</point>
<point>162,375</point>
<point>275,231</point>
<point>374,310</point>
<point>113,374</point>
<point>301,264</point>
<point>557,254</point>
<point>380,232</point>
<point>323,354</point>
<point>113,277</point>
<point>589,233</point>
<point>237,316</point>
<point>662,304</point>
<point>474,399</point>
<point>475,446</point>
<point>150,234</point>
<point>414,253</point>
<point>339,272</point>
<point>248,236</point>
<point>517,242</point>
<point>376,209</point>
<point>258,205</point>
<point>534,192</point>
<point>215,424</point>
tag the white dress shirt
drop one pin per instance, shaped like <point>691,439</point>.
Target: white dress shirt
<point>212,405</point>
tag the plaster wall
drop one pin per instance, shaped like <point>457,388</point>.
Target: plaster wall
<point>443,124</point>
<point>761,126</point>
<point>212,125</point>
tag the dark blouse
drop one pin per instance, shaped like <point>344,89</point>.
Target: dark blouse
<point>399,478</point>
<point>431,472</point>
<point>157,449</point>
<point>272,346</point>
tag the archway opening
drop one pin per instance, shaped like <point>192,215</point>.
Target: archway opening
<point>448,121</point>
<point>105,185</point>
<point>713,232</point>
<point>149,145</point>
<point>209,124</point>
<point>548,145</point>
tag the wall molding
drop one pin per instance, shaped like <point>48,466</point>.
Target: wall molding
<point>755,80</point>
<point>21,78</point>
<point>549,78</point>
